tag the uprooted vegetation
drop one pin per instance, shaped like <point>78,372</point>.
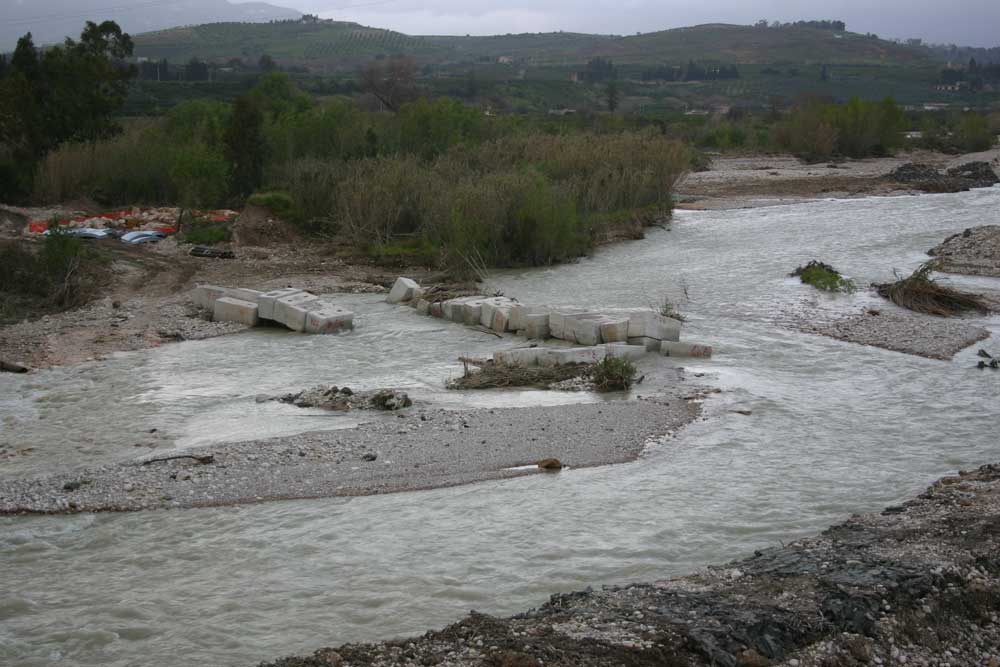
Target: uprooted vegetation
<point>55,274</point>
<point>824,277</point>
<point>609,374</point>
<point>921,293</point>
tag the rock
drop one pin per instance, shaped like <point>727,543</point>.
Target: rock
<point>751,658</point>
<point>11,367</point>
<point>388,399</point>
<point>369,457</point>
<point>550,464</point>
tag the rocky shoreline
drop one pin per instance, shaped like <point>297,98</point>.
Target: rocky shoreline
<point>917,584</point>
<point>417,449</point>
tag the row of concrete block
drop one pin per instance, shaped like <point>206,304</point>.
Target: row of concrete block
<point>645,328</point>
<point>294,308</point>
<point>556,356</point>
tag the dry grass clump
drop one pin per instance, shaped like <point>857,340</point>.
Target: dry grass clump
<point>921,293</point>
<point>613,374</point>
<point>484,374</point>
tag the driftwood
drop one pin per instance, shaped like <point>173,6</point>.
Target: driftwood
<point>484,330</point>
<point>10,367</point>
<point>204,460</point>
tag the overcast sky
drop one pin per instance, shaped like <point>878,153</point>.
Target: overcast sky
<point>969,22</point>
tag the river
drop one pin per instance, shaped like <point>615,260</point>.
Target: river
<point>835,429</point>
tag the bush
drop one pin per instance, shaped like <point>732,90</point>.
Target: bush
<point>824,277</point>
<point>816,131</point>
<point>613,374</point>
<point>312,185</point>
<point>200,175</point>
<point>200,233</point>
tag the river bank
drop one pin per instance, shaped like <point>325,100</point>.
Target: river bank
<point>917,584</point>
<point>419,449</point>
<point>774,180</point>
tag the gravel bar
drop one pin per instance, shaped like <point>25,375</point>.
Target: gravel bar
<point>915,585</point>
<point>419,450</point>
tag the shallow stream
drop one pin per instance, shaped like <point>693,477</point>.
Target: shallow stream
<point>835,429</point>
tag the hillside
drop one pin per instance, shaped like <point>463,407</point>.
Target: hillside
<point>331,46</point>
<point>50,21</point>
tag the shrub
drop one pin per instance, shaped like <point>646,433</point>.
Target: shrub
<point>200,233</point>
<point>312,185</point>
<point>824,277</point>
<point>200,176</point>
<point>613,374</point>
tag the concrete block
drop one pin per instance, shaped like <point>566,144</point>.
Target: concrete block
<point>402,290</point>
<point>573,355</point>
<point>557,322</point>
<point>614,330</point>
<point>436,310</point>
<point>228,309</point>
<point>423,307</point>
<point>205,295</point>
<point>328,319</point>
<point>536,325</point>
<point>522,356</point>
<point>649,344</point>
<point>585,329</point>
<point>454,309</point>
<point>472,312</point>
<point>291,310</point>
<point>675,349</point>
<point>244,294</point>
<point>647,324</point>
<point>267,300</point>
<point>495,313</point>
<point>624,351</point>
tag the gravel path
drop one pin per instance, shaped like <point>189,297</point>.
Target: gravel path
<point>419,450</point>
<point>918,584</point>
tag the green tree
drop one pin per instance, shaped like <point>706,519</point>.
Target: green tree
<point>245,148</point>
<point>611,93</point>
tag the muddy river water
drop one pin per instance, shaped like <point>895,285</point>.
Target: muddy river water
<point>835,429</point>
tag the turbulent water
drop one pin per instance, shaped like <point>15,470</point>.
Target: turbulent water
<point>835,429</point>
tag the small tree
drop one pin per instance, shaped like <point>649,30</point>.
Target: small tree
<point>266,63</point>
<point>244,146</point>
<point>392,81</point>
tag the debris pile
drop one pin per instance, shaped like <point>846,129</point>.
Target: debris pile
<point>162,220</point>
<point>921,293</point>
<point>344,399</point>
<point>294,308</point>
<point>958,179</point>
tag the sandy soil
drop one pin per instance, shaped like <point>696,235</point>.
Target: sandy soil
<point>754,181</point>
<point>420,449</point>
<point>918,584</point>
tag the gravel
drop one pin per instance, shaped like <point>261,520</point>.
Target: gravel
<point>918,584</point>
<point>417,450</point>
<point>976,252</point>
<point>900,331</point>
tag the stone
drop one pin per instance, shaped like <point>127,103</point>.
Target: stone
<point>266,301</point>
<point>674,349</point>
<point>389,399</point>
<point>329,319</point>
<point>228,309</point>
<point>647,324</point>
<point>402,290</point>
<point>614,331</point>
<point>205,295</point>
<point>522,356</point>
<point>553,465</point>
<point>423,307</point>
<point>536,325</point>
<point>650,344</point>
<point>291,310</point>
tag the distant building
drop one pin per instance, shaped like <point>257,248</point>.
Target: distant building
<point>505,60</point>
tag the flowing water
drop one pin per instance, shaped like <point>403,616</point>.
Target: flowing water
<point>836,429</point>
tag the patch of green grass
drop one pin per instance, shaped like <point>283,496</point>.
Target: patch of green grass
<point>613,374</point>
<point>208,234</point>
<point>824,277</point>
<point>280,204</point>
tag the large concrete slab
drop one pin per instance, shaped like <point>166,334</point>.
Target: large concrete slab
<point>647,324</point>
<point>244,294</point>
<point>329,319</point>
<point>573,355</point>
<point>267,300</point>
<point>614,330</point>
<point>495,313</point>
<point>558,318</point>
<point>472,312</point>
<point>625,351</point>
<point>536,325</point>
<point>291,310</point>
<point>648,344</point>
<point>205,295</point>
<point>584,329</point>
<point>423,307</point>
<point>402,290</point>
<point>228,309</point>
<point>522,356</point>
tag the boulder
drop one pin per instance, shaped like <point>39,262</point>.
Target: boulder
<point>550,465</point>
<point>267,300</point>
<point>402,290</point>
<point>228,309</point>
<point>328,319</point>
